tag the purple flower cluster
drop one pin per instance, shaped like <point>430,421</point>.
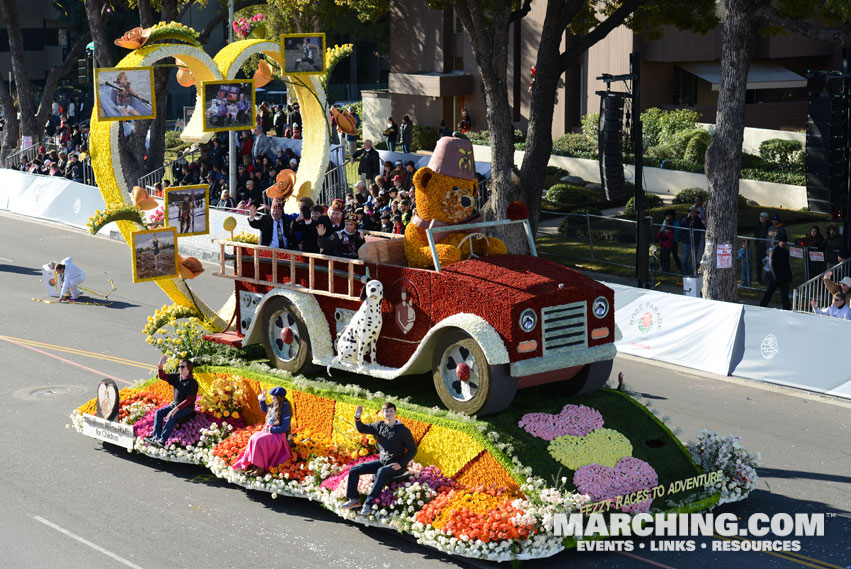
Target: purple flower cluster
<point>576,420</point>
<point>430,475</point>
<point>628,476</point>
<point>184,434</point>
<point>332,482</point>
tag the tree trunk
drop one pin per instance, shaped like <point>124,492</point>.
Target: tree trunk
<point>489,42</point>
<point>724,155</point>
<point>12,131</point>
<point>97,27</point>
<point>29,126</point>
<point>539,136</point>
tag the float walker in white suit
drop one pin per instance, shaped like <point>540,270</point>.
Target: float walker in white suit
<point>71,279</point>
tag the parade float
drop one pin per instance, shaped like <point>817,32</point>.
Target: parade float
<point>496,362</point>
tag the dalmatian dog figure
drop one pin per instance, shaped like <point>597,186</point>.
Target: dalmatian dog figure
<point>361,333</point>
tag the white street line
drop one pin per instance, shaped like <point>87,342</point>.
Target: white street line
<point>7,260</point>
<point>85,541</point>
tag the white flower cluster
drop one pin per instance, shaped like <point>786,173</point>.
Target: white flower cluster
<point>713,452</point>
<point>543,501</point>
<point>535,547</point>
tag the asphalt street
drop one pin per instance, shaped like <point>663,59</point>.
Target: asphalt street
<point>70,502</point>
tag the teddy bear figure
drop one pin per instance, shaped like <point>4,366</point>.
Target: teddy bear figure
<point>445,194</point>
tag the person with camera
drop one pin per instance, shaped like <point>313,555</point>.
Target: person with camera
<point>183,405</point>
<point>396,448</point>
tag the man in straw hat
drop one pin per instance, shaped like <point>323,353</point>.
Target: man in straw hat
<point>275,230</point>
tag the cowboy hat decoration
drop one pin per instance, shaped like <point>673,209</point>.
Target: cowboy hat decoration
<point>284,185</point>
<point>134,39</point>
<point>346,123</point>
<point>142,199</point>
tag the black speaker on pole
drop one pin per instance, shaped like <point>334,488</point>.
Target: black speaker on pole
<point>611,144</point>
<point>827,141</point>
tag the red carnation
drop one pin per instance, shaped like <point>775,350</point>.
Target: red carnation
<point>517,211</point>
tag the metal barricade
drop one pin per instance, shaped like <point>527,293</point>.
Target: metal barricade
<point>151,179</point>
<point>13,161</point>
<point>814,288</point>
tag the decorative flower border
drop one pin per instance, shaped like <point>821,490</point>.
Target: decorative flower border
<point>530,504</point>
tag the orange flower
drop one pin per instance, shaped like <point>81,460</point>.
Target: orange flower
<point>134,39</point>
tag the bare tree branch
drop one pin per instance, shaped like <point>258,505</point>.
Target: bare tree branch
<point>183,9</point>
<point>837,35</point>
<point>56,74</point>
<point>599,32</point>
<point>521,12</point>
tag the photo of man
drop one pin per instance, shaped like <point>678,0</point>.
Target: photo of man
<point>154,254</point>
<point>187,209</point>
<point>228,105</point>
<point>304,54</point>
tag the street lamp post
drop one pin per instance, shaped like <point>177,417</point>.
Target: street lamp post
<point>231,134</point>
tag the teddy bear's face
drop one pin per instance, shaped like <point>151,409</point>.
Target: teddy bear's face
<point>458,204</point>
<point>445,198</point>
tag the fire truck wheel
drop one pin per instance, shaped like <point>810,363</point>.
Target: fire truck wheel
<point>589,379</point>
<point>464,380</point>
<point>285,337</point>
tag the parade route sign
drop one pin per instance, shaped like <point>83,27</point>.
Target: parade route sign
<point>108,431</point>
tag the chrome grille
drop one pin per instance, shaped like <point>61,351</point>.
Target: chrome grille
<point>564,326</point>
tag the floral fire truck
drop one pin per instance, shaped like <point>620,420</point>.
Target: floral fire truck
<point>484,327</point>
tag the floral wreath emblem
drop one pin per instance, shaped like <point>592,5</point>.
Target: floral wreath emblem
<point>465,163</point>
<point>769,347</point>
<point>404,314</point>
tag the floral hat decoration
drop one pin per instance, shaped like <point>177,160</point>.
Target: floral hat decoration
<point>284,185</point>
<point>189,268</point>
<point>134,39</point>
<point>345,121</point>
<point>142,199</point>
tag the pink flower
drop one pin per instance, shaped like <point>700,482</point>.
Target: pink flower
<point>576,420</point>
<point>629,476</point>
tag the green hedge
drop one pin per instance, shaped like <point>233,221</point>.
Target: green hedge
<point>687,196</point>
<point>786,153</point>
<point>651,201</point>
<point>424,138</point>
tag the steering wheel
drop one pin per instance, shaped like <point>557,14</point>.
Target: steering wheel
<point>472,255</point>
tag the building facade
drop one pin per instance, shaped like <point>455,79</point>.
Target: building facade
<point>433,73</point>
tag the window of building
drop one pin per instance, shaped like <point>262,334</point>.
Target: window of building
<point>685,87</point>
<point>457,103</point>
<point>458,63</point>
<point>457,26</point>
<point>33,39</point>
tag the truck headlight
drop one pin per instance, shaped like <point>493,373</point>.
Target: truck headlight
<point>600,308</point>
<point>528,320</point>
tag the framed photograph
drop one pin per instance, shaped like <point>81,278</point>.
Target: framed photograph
<point>228,105</point>
<point>154,254</point>
<point>304,54</point>
<point>125,94</point>
<point>187,209</point>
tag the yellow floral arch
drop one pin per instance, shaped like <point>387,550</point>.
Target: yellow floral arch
<point>103,138</point>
